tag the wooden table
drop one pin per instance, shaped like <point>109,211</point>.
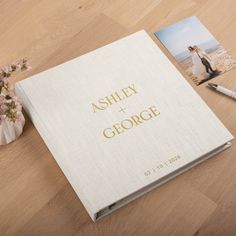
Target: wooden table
<point>36,198</point>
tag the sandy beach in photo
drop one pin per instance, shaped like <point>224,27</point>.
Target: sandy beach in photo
<point>222,61</point>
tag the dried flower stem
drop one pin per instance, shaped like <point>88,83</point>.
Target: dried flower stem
<point>10,107</point>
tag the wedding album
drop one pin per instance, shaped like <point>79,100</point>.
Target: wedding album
<point>120,121</point>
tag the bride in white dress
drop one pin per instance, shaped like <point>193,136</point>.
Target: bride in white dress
<point>198,68</point>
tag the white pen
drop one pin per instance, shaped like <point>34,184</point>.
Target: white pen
<point>222,90</point>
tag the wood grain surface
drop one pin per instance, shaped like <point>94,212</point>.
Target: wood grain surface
<point>36,198</point>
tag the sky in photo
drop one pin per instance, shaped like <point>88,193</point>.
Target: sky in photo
<point>188,32</point>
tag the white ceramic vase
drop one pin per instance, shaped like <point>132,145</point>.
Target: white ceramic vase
<point>10,131</point>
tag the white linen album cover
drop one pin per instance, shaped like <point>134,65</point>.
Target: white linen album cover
<point>120,121</point>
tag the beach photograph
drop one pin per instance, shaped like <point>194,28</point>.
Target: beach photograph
<point>196,50</point>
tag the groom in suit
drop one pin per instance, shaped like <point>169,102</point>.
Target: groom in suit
<point>204,58</point>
